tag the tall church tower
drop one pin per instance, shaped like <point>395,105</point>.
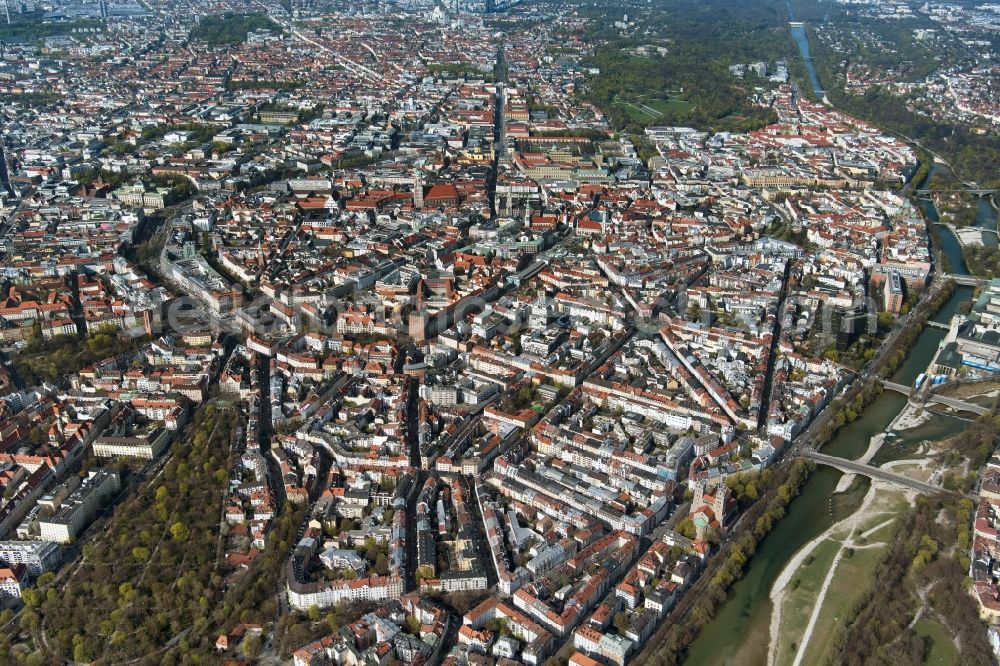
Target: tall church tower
<point>418,188</point>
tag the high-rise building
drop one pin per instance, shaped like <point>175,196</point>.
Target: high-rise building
<point>418,325</point>
<point>893,293</point>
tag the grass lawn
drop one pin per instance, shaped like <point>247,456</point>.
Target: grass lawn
<point>913,471</point>
<point>650,110</point>
<point>850,581</point>
<point>669,105</point>
<point>882,534</point>
<point>888,503</point>
<point>799,602</point>
<point>636,113</point>
<point>942,647</point>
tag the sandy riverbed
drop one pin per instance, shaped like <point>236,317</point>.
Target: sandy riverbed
<point>909,417</point>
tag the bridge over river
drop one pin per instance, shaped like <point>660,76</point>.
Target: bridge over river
<point>873,472</point>
<point>954,403</point>
<point>969,190</point>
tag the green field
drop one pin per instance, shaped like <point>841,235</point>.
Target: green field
<point>672,104</point>
<point>650,110</point>
<point>942,647</point>
<point>847,584</point>
<point>799,602</point>
<point>852,576</point>
<point>850,580</point>
<point>883,534</point>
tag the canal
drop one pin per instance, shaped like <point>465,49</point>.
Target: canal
<point>799,35</point>
<point>739,633</point>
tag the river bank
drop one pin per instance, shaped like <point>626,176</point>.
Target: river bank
<point>740,633</point>
<point>745,630</point>
<point>792,633</point>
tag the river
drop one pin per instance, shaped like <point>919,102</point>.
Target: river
<point>986,218</point>
<point>949,244</point>
<point>739,633</point>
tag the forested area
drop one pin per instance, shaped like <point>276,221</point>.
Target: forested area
<point>702,40</point>
<point>228,29</point>
<point>719,105</point>
<point>921,562</point>
<point>64,355</point>
<point>252,599</point>
<point>982,260</point>
<point>152,580</point>
<point>959,208</point>
<point>969,450</point>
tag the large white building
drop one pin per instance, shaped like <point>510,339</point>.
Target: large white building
<point>37,556</point>
<point>77,510</point>
<point>146,447</point>
<point>304,596</point>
